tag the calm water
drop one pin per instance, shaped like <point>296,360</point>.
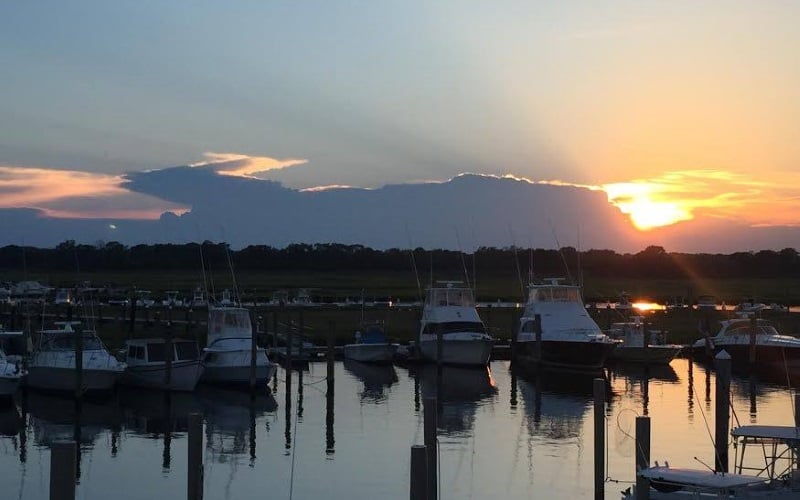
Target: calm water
<point>499,434</point>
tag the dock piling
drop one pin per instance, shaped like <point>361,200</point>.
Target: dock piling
<point>194,487</point>
<point>722,366</point>
<point>78,363</point>
<point>599,438</point>
<point>537,329</point>
<point>169,354</point>
<point>430,406</point>
<point>753,333</point>
<point>253,359</point>
<point>642,456</point>
<point>63,468</point>
<point>419,473</point>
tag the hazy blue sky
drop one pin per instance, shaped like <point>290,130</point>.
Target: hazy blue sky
<point>381,92</point>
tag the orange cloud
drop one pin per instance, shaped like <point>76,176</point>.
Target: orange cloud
<point>76,194</point>
<point>240,165</point>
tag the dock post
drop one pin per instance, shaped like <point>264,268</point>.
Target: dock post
<point>722,365</point>
<point>537,329</point>
<point>62,470</point>
<point>439,347</point>
<point>78,363</point>
<point>419,473</point>
<point>194,487</point>
<point>169,354</point>
<point>329,395</point>
<point>646,342</point>
<point>753,333</point>
<point>418,332</point>
<point>289,340</point>
<point>642,456</point>
<point>797,409</point>
<point>599,438</point>
<point>429,408</point>
<point>253,358</point>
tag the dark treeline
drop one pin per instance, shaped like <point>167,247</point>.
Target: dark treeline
<point>651,263</point>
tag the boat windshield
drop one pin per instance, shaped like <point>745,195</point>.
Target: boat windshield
<point>745,330</point>
<point>235,318</point>
<point>66,342</point>
<point>554,294</point>
<point>451,297</point>
<point>454,327</point>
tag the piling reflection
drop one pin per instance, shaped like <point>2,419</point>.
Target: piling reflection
<point>376,379</point>
<point>460,392</point>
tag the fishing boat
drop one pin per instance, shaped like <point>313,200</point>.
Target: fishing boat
<point>228,355</point>
<point>52,365</point>
<point>371,346</point>
<point>147,364</point>
<point>633,348</point>
<point>449,313</point>
<point>570,339</point>
<point>751,341</point>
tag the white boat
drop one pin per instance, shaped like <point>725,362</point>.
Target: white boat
<point>449,311</point>
<point>228,354</point>
<point>750,306</point>
<point>371,346</point>
<point>147,367</point>
<point>172,299</point>
<point>633,349</point>
<point>776,476</point>
<point>570,337</point>
<point>52,363</point>
<point>772,351</point>
<point>11,375</point>
<point>198,299</point>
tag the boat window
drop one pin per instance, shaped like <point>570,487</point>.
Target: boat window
<point>186,350</point>
<point>131,351</point>
<point>156,352</point>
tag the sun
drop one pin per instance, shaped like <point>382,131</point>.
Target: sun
<point>637,201</point>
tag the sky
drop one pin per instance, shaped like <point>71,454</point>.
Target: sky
<point>677,110</point>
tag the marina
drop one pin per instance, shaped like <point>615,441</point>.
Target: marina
<point>498,432</point>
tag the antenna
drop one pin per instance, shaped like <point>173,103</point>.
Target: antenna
<point>560,251</point>
<point>516,261</point>
<point>413,262</point>
<point>463,262</point>
<point>236,298</point>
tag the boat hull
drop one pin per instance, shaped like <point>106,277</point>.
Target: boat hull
<point>47,378</point>
<point>570,355</point>
<point>468,352</point>
<point>656,354</point>
<point>370,353</point>
<point>184,376</point>
<point>766,357</point>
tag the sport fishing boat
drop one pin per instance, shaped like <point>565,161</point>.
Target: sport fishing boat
<point>228,355</point>
<point>570,339</point>
<point>743,337</point>
<point>52,366</point>
<point>147,364</point>
<point>449,312</point>
<point>633,349</point>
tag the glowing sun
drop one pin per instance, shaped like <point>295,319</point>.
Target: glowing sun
<point>637,201</point>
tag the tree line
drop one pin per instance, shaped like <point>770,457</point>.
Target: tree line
<point>654,262</point>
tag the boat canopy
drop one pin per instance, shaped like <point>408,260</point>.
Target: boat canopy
<point>554,293</point>
<point>228,322</point>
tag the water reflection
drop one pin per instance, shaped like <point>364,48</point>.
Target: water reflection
<point>459,390</point>
<point>637,378</point>
<point>375,379</point>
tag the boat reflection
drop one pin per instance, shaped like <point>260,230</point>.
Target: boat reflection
<point>10,421</point>
<point>375,378</point>
<point>460,392</point>
<point>556,404</point>
<point>57,418</point>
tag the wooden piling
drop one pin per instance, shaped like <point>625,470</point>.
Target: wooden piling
<point>289,332</point>
<point>537,330</point>
<point>429,409</point>
<point>797,409</point>
<point>753,333</point>
<point>169,353</point>
<point>419,473</point>
<point>329,395</point>
<point>78,363</point>
<point>63,470</point>
<point>722,366</point>
<point>194,486</point>
<point>599,438</point>
<point>642,456</point>
<point>439,346</point>
<point>253,359</point>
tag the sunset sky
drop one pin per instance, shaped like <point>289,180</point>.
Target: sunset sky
<point>675,109</point>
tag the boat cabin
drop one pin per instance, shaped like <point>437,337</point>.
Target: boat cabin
<point>154,351</point>
<point>371,334</point>
<point>554,292</point>
<point>228,322</point>
<point>63,339</point>
<point>449,294</point>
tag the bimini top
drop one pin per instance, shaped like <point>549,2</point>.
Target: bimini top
<point>228,323</point>
<point>554,291</point>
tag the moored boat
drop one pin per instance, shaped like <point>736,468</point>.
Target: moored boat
<point>449,312</point>
<point>570,339</point>
<point>371,346</point>
<point>147,367</point>
<point>633,348</point>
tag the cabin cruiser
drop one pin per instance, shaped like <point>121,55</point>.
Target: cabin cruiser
<point>633,349</point>
<point>371,346</point>
<point>741,335</point>
<point>570,338</point>
<point>228,354</point>
<point>449,312</point>
<point>147,364</point>
<point>52,363</point>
